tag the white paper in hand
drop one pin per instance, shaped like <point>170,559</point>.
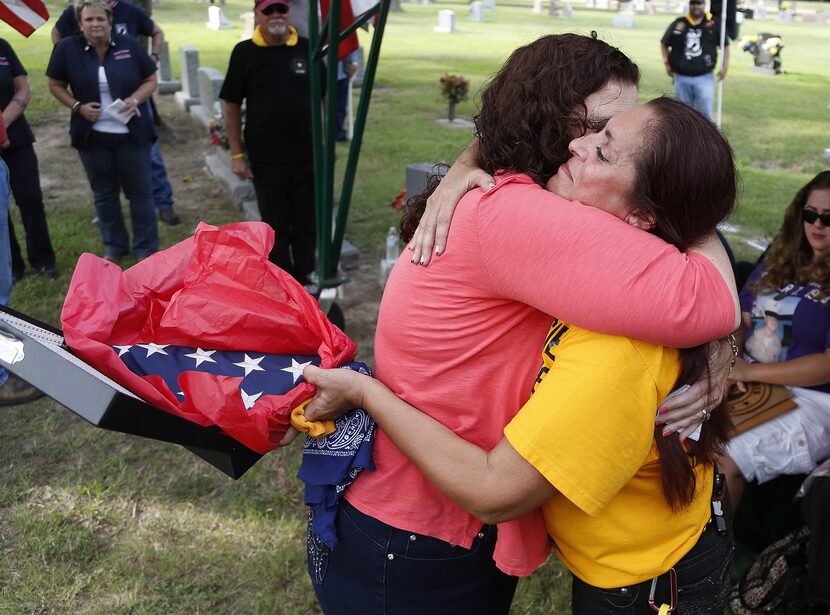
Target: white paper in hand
<point>695,435</point>
<point>117,111</point>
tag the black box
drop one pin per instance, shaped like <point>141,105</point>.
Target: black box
<point>37,353</point>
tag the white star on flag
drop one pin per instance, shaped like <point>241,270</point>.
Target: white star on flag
<point>201,356</point>
<point>122,350</point>
<point>154,348</point>
<point>249,400</point>
<point>296,369</point>
<point>251,365</point>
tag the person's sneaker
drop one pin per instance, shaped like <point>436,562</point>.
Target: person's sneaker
<point>168,216</point>
<point>47,272</point>
<point>17,391</point>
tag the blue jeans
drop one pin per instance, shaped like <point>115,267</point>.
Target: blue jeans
<point>113,161</point>
<point>376,569</point>
<point>697,92</point>
<point>703,581</point>
<point>5,249</point>
<point>162,190</point>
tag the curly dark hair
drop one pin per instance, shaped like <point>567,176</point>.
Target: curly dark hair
<point>790,257</point>
<point>531,108</point>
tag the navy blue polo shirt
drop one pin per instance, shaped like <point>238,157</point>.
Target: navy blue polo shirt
<point>10,67</point>
<point>127,19</point>
<point>127,64</point>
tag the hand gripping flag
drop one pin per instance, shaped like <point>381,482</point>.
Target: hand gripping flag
<point>25,16</point>
<point>208,330</point>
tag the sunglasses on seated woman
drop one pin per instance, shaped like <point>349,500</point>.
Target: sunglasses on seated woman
<point>282,9</point>
<point>811,215</point>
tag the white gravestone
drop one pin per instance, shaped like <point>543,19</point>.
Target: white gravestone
<point>476,11</point>
<point>625,17</point>
<point>489,5</point>
<point>602,4</point>
<point>209,107</point>
<point>567,10</point>
<point>216,19</point>
<point>248,25</point>
<point>446,21</point>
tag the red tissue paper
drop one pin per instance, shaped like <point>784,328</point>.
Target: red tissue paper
<point>218,291</point>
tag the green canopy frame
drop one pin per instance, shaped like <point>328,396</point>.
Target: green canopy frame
<point>323,126</point>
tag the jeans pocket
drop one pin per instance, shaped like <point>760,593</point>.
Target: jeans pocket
<point>318,553</point>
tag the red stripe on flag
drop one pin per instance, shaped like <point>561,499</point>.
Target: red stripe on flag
<point>25,16</point>
<point>349,44</point>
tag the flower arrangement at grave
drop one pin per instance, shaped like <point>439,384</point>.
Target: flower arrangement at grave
<point>765,50</point>
<point>218,136</point>
<point>455,89</point>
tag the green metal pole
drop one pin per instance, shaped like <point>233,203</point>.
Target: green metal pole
<point>314,77</point>
<point>359,126</point>
<point>327,262</point>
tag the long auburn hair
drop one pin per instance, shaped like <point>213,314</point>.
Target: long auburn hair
<point>790,257</point>
<point>530,108</point>
<point>680,146</point>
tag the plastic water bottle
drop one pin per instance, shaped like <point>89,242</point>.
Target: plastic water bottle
<point>392,244</point>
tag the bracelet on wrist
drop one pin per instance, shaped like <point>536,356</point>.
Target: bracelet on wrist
<point>239,156</point>
<point>733,343</point>
<point>76,106</point>
<point>137,102</point>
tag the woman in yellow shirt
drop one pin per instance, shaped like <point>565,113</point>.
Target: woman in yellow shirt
<point>629,510</point>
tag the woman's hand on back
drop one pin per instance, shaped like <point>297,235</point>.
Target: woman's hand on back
<point>685,411</point>
<point>431,235</point>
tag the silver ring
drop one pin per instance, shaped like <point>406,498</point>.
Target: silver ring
<point>705,415</point>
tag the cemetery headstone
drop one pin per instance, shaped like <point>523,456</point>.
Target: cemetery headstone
<point>189,66</point>
<point>476,11</point>
<point>761,10</point>
<point>602,4</point>
<point>357,80</point>
<point>624,18</point>
<point>446,21</point>
<point>167,85</point>
<point>210,83</point>
<point>489,5</point>
<point>567,10</point>
<point>553,8</point>
<point>299,16</point>
<point>537,7</point>
<point>248,25</point>
<point>216,19</point>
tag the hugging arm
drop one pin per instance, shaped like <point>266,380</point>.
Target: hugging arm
<point>495,486</point>
<point>463,176</point>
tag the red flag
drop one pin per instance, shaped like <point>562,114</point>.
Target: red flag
<point>348,44</point>
<point>215,291</point>
<point>25,16</point>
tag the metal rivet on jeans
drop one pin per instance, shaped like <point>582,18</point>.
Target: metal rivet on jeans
<point>390,556</point>
<point>624,590</point>
<point>412,537</point>
<point>481,534</point>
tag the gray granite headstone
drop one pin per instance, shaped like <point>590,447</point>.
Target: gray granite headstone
<point>189,67</point>
<point>210,83</point>
<point>167,85</point>
<point>476,11</point>
<point>357,80</point>
<point>489,5</point>
<point>299,16</point>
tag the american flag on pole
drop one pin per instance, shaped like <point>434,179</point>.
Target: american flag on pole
<point>25,16</point>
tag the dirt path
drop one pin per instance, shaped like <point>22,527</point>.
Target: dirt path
<point>198,196</point>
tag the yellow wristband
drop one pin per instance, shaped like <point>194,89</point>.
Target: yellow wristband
<point>237,156</point>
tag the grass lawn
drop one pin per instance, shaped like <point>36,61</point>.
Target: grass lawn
<point>96,522</point>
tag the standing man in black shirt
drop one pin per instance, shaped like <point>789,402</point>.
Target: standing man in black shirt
<point>690,52</point>
<point>270,73</point>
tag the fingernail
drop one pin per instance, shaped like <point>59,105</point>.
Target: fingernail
<point>682,439</point>
<point>412,260</point>
<point>491,185</point>
<point>423,260</point>
<point>662,410</point>
<point>438,250</point>
<point>411,246</point>
<point>658,422</point>
<point>667,433</point>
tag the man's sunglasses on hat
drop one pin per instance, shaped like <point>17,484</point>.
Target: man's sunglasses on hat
<point>282,9</point>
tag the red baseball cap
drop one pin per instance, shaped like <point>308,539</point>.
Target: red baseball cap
<point>263,4</point>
